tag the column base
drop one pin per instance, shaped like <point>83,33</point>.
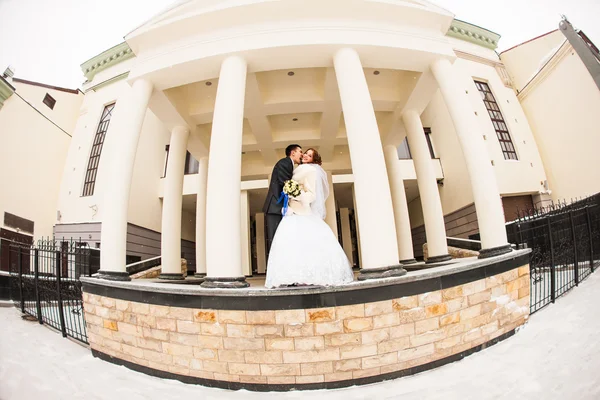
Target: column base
<point>495,251</point>
<point>380,273</point>
<point>200,274</point>
<point>408,261</point>
<point>113,275</point>
<point>437,259</point>
<point>171,277</point>
<point>212,282</point>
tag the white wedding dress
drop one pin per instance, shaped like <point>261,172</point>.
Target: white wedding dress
<point>304,250</point>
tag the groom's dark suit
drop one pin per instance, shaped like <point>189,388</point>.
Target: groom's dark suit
<point>282,171</point>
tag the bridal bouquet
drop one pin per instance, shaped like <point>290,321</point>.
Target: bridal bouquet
<point>292,188</point>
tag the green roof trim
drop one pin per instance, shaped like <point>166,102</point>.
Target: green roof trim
<point>109,81</point>
<point>106,59</point>
<point>474,34</point>
<point>6,90</point>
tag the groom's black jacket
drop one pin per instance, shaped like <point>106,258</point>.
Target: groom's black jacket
<point>282,171</point>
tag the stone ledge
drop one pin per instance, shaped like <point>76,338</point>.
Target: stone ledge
<point>454,273</point>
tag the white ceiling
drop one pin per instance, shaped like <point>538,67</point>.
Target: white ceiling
<point>294,106</point>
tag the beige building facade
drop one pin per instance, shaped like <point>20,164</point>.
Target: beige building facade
<point>425,131</point>
<point>37,122</point>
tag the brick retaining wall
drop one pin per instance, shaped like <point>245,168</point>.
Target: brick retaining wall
<point>309,346</point>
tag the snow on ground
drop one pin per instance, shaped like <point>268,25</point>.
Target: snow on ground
<point>556,356</point>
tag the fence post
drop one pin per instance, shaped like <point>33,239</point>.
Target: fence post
<point>576,267</point>
<point>552,269</point>
<point>36,271</point>
<point>589,225</point>
<point>520,246</point>
<point>61,312</point>
<point>20,262</point>
<point>89,257</point>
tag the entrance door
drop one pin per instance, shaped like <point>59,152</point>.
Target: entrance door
<point>513,204</point>
<point>6,238</point>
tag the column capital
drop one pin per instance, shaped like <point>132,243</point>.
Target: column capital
<point>235,60</point>
<point>345,51</point>
<point>439,63</point>
<point>143,85</point>
<point>180,129</point>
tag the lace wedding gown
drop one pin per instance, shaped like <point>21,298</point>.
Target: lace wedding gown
<point>304,250</point>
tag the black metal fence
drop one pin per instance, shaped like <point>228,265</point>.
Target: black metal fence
<point>45,282</point>
<point>565,243</point>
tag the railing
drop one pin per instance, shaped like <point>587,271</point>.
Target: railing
<point>45,282</point>
<point>565,243</point>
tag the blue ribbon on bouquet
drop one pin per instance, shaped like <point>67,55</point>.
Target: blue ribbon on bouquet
<point>285,198</point>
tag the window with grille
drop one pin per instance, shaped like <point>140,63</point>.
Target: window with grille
<point>92,169</point>
<point>508,149</point>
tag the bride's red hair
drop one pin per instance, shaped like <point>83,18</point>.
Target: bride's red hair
<point>316,156</point>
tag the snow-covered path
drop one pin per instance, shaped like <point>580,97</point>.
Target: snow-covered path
<point>556,356</point>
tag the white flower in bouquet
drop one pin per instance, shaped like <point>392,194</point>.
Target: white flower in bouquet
<point>292,188</point>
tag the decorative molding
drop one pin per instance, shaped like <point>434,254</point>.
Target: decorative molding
<point>108,82</point>
<point>499,66</point>
<point>504,75</point>
<point>541,75</point>
<point>474,34</point>
<point>6,90</point>
<point>108,58</point>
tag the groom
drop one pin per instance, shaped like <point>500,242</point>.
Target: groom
<point>282,172</point>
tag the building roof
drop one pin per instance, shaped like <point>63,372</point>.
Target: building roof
<point>73,91</point>
<point>530,40</point>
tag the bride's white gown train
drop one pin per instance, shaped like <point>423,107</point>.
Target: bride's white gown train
<point>304,250</point>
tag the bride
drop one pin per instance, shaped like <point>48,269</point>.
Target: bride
<point>305,251</point>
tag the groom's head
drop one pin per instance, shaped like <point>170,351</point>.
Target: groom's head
<point>294,151</point>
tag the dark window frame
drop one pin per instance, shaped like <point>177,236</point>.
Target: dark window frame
<point>406,146</point>
<point>49,101</point>
<point>190,167</point>
<point>502,133</point>
<point>91,173</point>
<point>427,132</point>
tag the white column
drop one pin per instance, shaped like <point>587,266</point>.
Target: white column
<point>373,198</point>
<point>223,236</point>
<point>346,234</point>
<point>331,217</point>
<point>201,217</point>
<point>261,253</point>
<point>171,211</point>
<point>488,203</point>
<point>245,233</point>
<point>435,229</point>
<point>401,216</point>
<point>126,126</point>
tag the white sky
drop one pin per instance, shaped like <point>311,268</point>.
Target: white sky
<point>47,41</point>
